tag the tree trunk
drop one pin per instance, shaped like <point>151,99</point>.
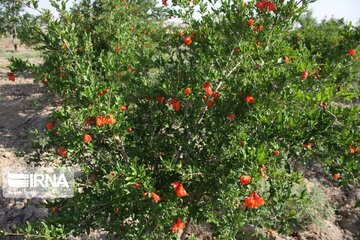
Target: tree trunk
<point>15,38</point>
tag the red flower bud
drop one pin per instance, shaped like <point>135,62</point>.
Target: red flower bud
<point>244,180</point>
<point>305,74</point>
<point>352,52</point>
<point>179,189</point>
<point>336,176</point>
<point>155,197</point>
<point>187,40</point>
<point>250,99</point>
<point>87,138</point>
<point>251,22</point>
<point>187,91</point>
<point>50,125</point>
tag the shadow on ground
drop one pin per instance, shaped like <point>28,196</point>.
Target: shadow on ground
<point>23,106</point>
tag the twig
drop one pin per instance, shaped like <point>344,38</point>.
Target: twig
<point>184,233</point>
<point>217,88</point>
<point>124,152</point>
<point>205,108</point>
<point>272,30</point>
<point>233,69</point>
<point>333,115</point>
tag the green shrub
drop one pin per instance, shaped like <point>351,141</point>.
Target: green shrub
<point>201,104</point>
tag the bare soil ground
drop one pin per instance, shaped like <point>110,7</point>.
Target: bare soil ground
<point>24,105</point>
<point>20,109</point>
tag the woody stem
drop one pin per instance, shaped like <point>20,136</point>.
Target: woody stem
<point>184,233</point>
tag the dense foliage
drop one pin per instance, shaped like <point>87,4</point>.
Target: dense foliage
<point>199,123</point>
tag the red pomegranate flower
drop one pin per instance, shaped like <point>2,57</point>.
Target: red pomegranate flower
<point>276,152</point>
<point>179,189</point>
<point>250,99</point>
<point>187,40</point>
<point>87,138</point>
<point>232,116</point>
<point>62,151</point>
<point>209,103</point>
<point>88,121</point>
<point>123,108</point>
<point>160,99</point>
<point>270,6</point>
<point>251,22</point>
<point>352,52</point>
<point>260,5</point>
<point>175,104</point>
<point>164,3</point>
<point>254,201</point>
<point>207,88</point>
<point>111,119</point>
<point>352,150</point>
<point>258,28</point>
<point>11,76</point>
<point>336,176</point>
<point>50,125</point>
<point>187,91</point>
<point>99,121</point>
<point>216,95</point>
<point>155,197</point>
<point>244,180</point>
<point>305,74</point>
<point>316,75</point>
<point>177,225</point>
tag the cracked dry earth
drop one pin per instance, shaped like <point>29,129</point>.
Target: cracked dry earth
<point>24,106</point>
<point>345,223</point>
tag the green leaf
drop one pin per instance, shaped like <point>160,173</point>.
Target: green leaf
<point>35,3</point>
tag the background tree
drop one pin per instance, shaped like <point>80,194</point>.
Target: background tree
<point>328,39</point>
<point>10,18</point>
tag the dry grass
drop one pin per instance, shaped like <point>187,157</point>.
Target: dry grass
<point>24,52</point>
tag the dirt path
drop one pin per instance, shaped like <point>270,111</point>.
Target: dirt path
<point>23,106</point>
